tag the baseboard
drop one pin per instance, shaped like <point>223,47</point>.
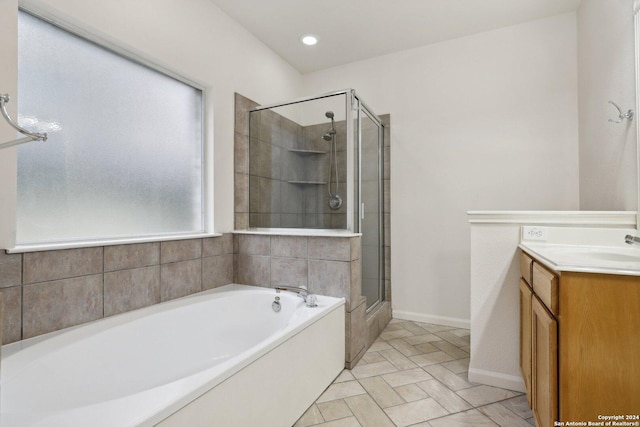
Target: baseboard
<point>496,379</point>
<point>436,320</point>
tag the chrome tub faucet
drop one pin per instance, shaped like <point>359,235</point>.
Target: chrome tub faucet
<point>632,240</point>
<point>309,299</point>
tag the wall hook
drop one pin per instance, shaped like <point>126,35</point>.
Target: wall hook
<point>621,116</point>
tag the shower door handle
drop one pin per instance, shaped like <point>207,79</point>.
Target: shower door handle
<point>361,210</point>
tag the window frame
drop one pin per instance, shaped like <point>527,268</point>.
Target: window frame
<point>104,41</point>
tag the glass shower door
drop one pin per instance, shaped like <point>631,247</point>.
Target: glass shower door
<point>370,144</point>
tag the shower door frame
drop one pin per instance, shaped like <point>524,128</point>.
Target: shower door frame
<point>358,105</point>
<point>354,104</point>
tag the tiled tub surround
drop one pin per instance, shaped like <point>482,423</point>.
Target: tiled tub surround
<point>362,327</point>
<point>325,265</point>
<point>51,290</point>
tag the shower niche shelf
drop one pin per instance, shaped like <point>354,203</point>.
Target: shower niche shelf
<point>307,182</point>
<point>305,152</point>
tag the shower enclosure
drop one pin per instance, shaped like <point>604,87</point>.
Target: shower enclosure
<point>317,163</point>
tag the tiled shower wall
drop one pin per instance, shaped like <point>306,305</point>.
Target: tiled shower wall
<point>51,290</point>
<point>280,184</point>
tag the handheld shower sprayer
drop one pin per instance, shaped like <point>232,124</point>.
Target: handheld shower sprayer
<point>329,135</point>
<point>335,201</point>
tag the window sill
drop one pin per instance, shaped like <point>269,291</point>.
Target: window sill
<point>108,242</point>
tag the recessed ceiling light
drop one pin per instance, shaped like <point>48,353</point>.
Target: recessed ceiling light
<point>309,39</point>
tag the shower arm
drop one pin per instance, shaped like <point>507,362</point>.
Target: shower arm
<point>30,136</point>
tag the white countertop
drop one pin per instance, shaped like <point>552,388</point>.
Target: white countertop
<point>586,250</point>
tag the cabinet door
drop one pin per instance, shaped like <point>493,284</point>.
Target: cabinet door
<point>525,336</point>
<point>544,341</point>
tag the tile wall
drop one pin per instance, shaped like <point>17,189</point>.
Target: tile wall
<point>51,290</point>
<point>269,171</point>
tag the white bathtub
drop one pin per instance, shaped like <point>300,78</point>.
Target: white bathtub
<point>217,358</point>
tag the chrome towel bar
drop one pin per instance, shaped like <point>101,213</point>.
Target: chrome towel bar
<point>30,136</point>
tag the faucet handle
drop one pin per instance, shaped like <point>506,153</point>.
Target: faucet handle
<point>312,301</point>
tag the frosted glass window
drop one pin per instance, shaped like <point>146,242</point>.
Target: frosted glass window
<point>124,155</point>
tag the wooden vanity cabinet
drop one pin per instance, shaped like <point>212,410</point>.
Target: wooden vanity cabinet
<point>579,343</point>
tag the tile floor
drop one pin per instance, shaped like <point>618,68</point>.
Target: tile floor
<point>415,374</point>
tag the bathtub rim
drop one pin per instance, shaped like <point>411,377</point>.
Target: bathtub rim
<point>241,360</point>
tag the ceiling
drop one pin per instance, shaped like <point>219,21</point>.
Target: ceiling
<point>353,30</point>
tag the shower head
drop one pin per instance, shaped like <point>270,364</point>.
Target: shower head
<point>329,114</point>
<point>328,136</point>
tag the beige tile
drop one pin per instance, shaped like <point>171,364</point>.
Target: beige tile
<point>484,394</point>
<point>344,422</point>
<point>503,416</point>
<point>289,246</point>
<point>240,153</point>
<point>341,390</point>
<point>179,279</point>
<point>421,339</point>
<point>397,359</point>
<point>379,345</point>
<point>391,335</point>
<point>519,405</point>
<point>214,246</point>
<point>217,271</point>
<point>51,306</point>
<point>61,264</point>
<point>431,358</point>
<point>444,396</point>
<point>254,270</point>
<point>241,108</point>
<point>448,378</point>
<point>241,193</point>
<point>254,244</point>
<point>357,330</point>
<point>373,369</point>
<point>355,287</point>
<point>345,375</point>
<point>10,269</point>
<point>289,272</point>
<point>410,376</point>
<point>457,366</point>
<point>371,357</point>
<point>127,290</point>
<point>403,347</point>
<point>123,257</point>
<point>11,314</point>
<point>414,328</point>
<point>367,412</point>
<point>451,349</point>
<point>330,278</point>
<point>426,347</point>
<point>330,248</point>
<point>356,248</point>
<point>415,412</point>
<point>463,419</point>
<point>453,338</point>
<point>411,392</point>
<point>461,332</point>
<point>435,328</point>
<point>241,221</point>
<point>312,416</point>
<point>334,410</point>
<point>381,392</point>
<point>394,326</point>
<point>180,250</point>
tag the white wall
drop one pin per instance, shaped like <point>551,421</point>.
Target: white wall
<point>606,71</point>
<point>482,122</point>
<point>197,40</point>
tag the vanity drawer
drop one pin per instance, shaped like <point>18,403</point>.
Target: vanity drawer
<point>525,267</point>
<point>545,286</point>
